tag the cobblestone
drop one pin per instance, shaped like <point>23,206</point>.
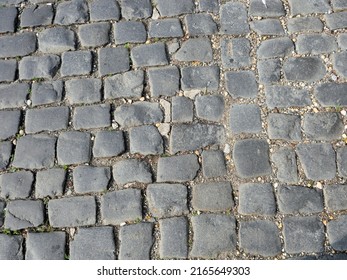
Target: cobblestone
<point>146,140</point>
<point>241,84</point>
<point>267,27</point>
<point>8,70</point>
<point>284,127</point>
<point>271,9</point>
<point>337,233</point>
<point>336,20</point>
<point>286,164</point>
<point>331,94</point>
<point>50,183</point>
<point>234,19</point>
<point>70,12</point>
<point>165,28</point>
<point>46,93</point>
<point>132,170</point>
<point>210,108</point>
<point>83,91</point>
<point>5,154</point>
<point>213,164</point>
<point>200,24</point>
<point>335,197</point>
<point>167,8</point>
<point>236,53</point>
<point>182,109</point>
<point>149,55</point>
<point>11,248</point>
<point>342,41</point>
<point>301,24</point>
<point>88,179</point>
<point>10,123</point>
<point>136,9</point>
<point>339,62</point>
<point>201,77</point>
<point>284,96</point>
<point>108,144</point>
<point>198,49</point>
<point>342,161</point>
<point>129,32</point>
<point>101,116</point>
<point>7,19</point>
<point>56,40</point>
<point>94,34</point>
<point>315,44</point>
<point>113,60</point>
<point>164,81</point>
<point>269,71</point>
<point>16,185</point>
<point>38,67</point>
<point>76,63</point>
<point>36,16</point>
<point>309,6</point>
<point>17,45</point>
<point>277,47</point>
<point>104,10</point>
<point>245,118</point>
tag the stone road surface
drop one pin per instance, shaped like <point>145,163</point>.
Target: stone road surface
<point>173,129</point>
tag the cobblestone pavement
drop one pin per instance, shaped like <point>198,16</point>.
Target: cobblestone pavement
<point>173,129</point>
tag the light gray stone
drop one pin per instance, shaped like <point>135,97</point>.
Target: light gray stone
<point>285,96</point>
<point>285,162</point>
<point>245,118</point>
<point>234,19</point>
<point>10,123</point>
<point>339,4</point>
<point>50,183</point>
<point>273,8</point>
<point>11,247</point>
<point>301,24</point>
<point>76,63</point>
<point>210,107</point>
<point>235,52</point>
<point>339,62</point>
<point>342,41</point>
<point>195,49</point>
<point>337,233</point>
<point>284,127</point>
<point>8,17</point>
<point>16,185</point>
<point>88,179</point>
<point>277,47</point>
<point>200,77</point>
<point>132,170</point>
<point>315,44</point>
<point>83,91</point>
<point>331,94</point>
<point>149,55</point>
<point>33,67</point>
<point>213,164</point>
<point>13,96</point>
<point>8,70</point>
<point>146,140</point>
<point>308,7</point>
<point>269,71</point>
<point>241,84</point>
<point>17,45</point>
<point>46,93</point>
<point>36,16</point>
<point>108,144</point>
<point>56,40</point>
<point>335,197</point>
<point>336,20</point>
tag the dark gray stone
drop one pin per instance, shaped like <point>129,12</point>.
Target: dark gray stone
<point>200,24</point>
<point>50,183</point>
<point>302,24</point>
<point>342,41</point>
<point>337,233</point>
<point>129,32</point>
<point>210,107</point>
<point>17,45</point>
<point>8,17</point>
<point>200,77</point>
<point>168,8</point>
<point>76,63</point>
<point>136,9</point>
<point>342,161</point>
<point>96,243</point>
<point>46,93</point>
<point>285,96</point>
<point>317,160</point>
<point>73,148</point>
<point>315,44</point>
<point>94,34</point>
<point>277,47</point>
<point>36,16</point>
<point>10,123</point>
<point>335,197</point>
<point>180,168</point>
<point>209,6</point>
<point>136,241</point>
<point>104,10</point>
<point>113,60</point>
<point>70,12</point>
<point>214,236</point>
<point>267,27</point>
<point>190,137</point>
<point>303,234</point>
<point>339,62</point>
<point>33,67</point>
<point>234,19</point>
<point>121,206</point>
<point>339,4</point>
<point>11,247</point>
<point>260,238</point>
<point>16,185</point>
<point>241,84</point>
<point>13,95</point>
<point>167,200</point>
<point>72,211</point>
<point>56,40</point>
<point>45,246</point>
<point>82,91</point>
<point>146,140</point>
<point>35,152</point>
<point>108,144</point>
<point>284,127</point>
<point>127,85</point>
<point>285,162</point>
<point>5,154</point>
<point>308,6</point>
<point>101,116</point>
<point>257,199</point>
<point>213,164</point>
<point>173,238</point>
<point>8,70</point>
<point>22,214</point>
<point>212,197</point>
<point>164,81</point>
<point>138,113</point>
<point>251,158</point>
<point>196,49</point>
<point>245,118</point>
<point>273,8</point>
<point>46,119</point>
<point>336,20</point>
<point>235,53</point>
<point>269,71</point>
<point>165,28</point>
<point>299,200</point>
<point>149,55</point>
<point>331,94</point>
<point>182,109</point>
<point>88,179</point>
<point>132,170</point>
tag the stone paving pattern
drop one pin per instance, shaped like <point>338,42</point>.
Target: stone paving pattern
<point>173,129</point>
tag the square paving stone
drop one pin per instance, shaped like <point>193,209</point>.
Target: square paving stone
<point>180,168</point>
<point>82,91</point>
<point>17,45</point>
<point>285,96</point>
<point>167,200</point>
<point>76,63</point>
<point>182,109</point>
<point>284,127</point>
<point>269,70</point>
<point>16,185</point>
<point>200,77</point>
<point>136,9</point>
<point>8,17</point>
<point>213,164</point>
<point>317,160</point>
<point>301,24</point>
<point>5,154</point>
<point>299,200</point>
<point>46,93</point>
<point>33,67</point>
<point>306,69</point>
<point>209,6</point>
<point>56,40</point>
<point>73,148</point>
<point>339,62</point>
<point>234,19</point>
<point>335,197</point>
<point>285,162</point>
<point>210,107</point>
<point>70,12</point>
<point>45,246</point>
<point>245,118</point>
<point>164,81</point>
<point>113,60</point>
<point>165,28</point>
<point>273,8</point>
<point>50,183</point>
<point>35,152</point>
<point>146,140</point>
<point>149,55</point>
<point>315,44</point>
<point>200,24</point>
<point>308,6</point>
<point>8,70</point>
<point>136,241</point>
<point>11,247</point>
<point>212,197</point>
<point>241,84</point>
<point>214,236</point>
<point>260,238</point>
<point>342,161</point>
<point>337,233</point>
<point>342,41</point>
<point>101,116</point>
<point>121,206</point>
<point>129,32</point>
<point>104,10</point>
<point>168,8</point>
<point>277,47</point>
<point>88,179</point>
<point>235,52</point>
<point>339,4</point>
<point>22,214</point>
<point>251,158</point>
<point>9,123</point>
<point>267,27</point>
<point>303,234</point>
<point>96,243</point>
<point>72,211</point>
<point>36,16</point>
<point>13,96</point>
<point>173,238</point>
<point>132,170</point>
<point>195,49</point>
<point>257,199</point>
<point>108,144</point>
<point>94,34</point>
<point>331,94</point>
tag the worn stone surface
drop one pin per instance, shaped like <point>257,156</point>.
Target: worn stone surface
<point>198,49</point>
<point>277,47</point>
<point>94,34</point>
<point>10,123</point>
<point>201,77</point>
<point>83,91</point>
<point>36,16</point>
<point>168,8</point>
<point>149,55</point>
<point>341,155</point>
<point>200,24</point>
<point>164,81</point>
<point>56,40</point>
<point>76,63</point>
<point>182,109</point>
<point>132,170</point>
<point>108,144</point>
<point>331,94</point>
<point>5,154</point>
<point>146,140</point>
<point>285,96</point>
<point>234,19</point>
<point>104,10</point>
<point>38,67</point>
<point>70,12</point>
<point>13,96</point>
<point>286,164</point>
<point>337,233</point>
<point>241,84</point>
<point>165,28</point>
<point>339,62</point>
<point>284,127</point>
<point>336,20</point>
<point>335,197</point>
<point>309,6</point>
<point>267,27</point>
<point>46,93</point>
<point>273,8</point>
<point>16,185</point>
<point>113,60</point>
<point>136,9</point>
<point>213,164</point>
<point>8,70</point>
<point>101,116</point>
<point>12,247</point>
<point>245,118</point>
<point>342,41</point>
<point>7,19</point>
<point>235,52</point>
<point>209,107</point>
<point>88,179</point>
<point>17,45</point>
<point>129,32</point>
<point>315,44</point>
<point>50,183</point>
<point>301,24</point>
<point>269,70</point>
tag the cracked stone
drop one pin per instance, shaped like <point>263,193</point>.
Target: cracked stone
<point>284,127</point>
<point>196,49</point>
<point>132,170</point>
<point>235,52</point>
<point>285,161</point>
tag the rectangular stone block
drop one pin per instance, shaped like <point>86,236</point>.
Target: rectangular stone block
<point>17,45</point>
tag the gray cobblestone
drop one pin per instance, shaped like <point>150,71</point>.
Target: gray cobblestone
<point>273,8</point>
<point>234,19</point>
<point>149,55</point>
<point>209,6</point>
<point>339,62</point>
<point>339,4</point>
<point>8,70</point>
<point>201,77</point>
<point>308,7</point>
<point>70,12</point>
<point>16,185</point>
<point>269,71</point>
<point>167,8</point>
<point>200,24</point>
<point>342,161</point>
<point>17,45</point>
<point>336,20</point>
<point>2,212</point>
<point>213,164</point>
<point>136,9</point>
<point>267,27</point>
<point>331,94</point>
<point>13,95</point>
<point>284,127</point>
<point>7,19</point>
<point>82,91</point>
<point>165,28</point>
<point>101,116</point>
<point>146,140</point>
<point>38,67</point>
<point>196,49</point>
<point>277,47</point>
<point>46,93</point>
<point>56,40</point>
<point>182,109</point>
<point>129,32</point>
<point>241,84</point>
<point>5,154</point>
<point>104,10</point>
<point>285,161</point>
<point>50,183</point>
<point>245,118</point>
<point>36,16</point>
<point>335,197</point>
<point>235,52</point>
<point>10,123</point>
<point>210,107</point>
<point>337,233</point>
<point>108,144</point>
<point>164,81</point>
<point>301,24</point>
<point>132,170</point>
<point>88,179</point>
<point>342,41</point>
<point>113,60</point>
<point>76,63</point>
<point>315,44</point>
<point>11,248</point>
<point>94,34</point>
